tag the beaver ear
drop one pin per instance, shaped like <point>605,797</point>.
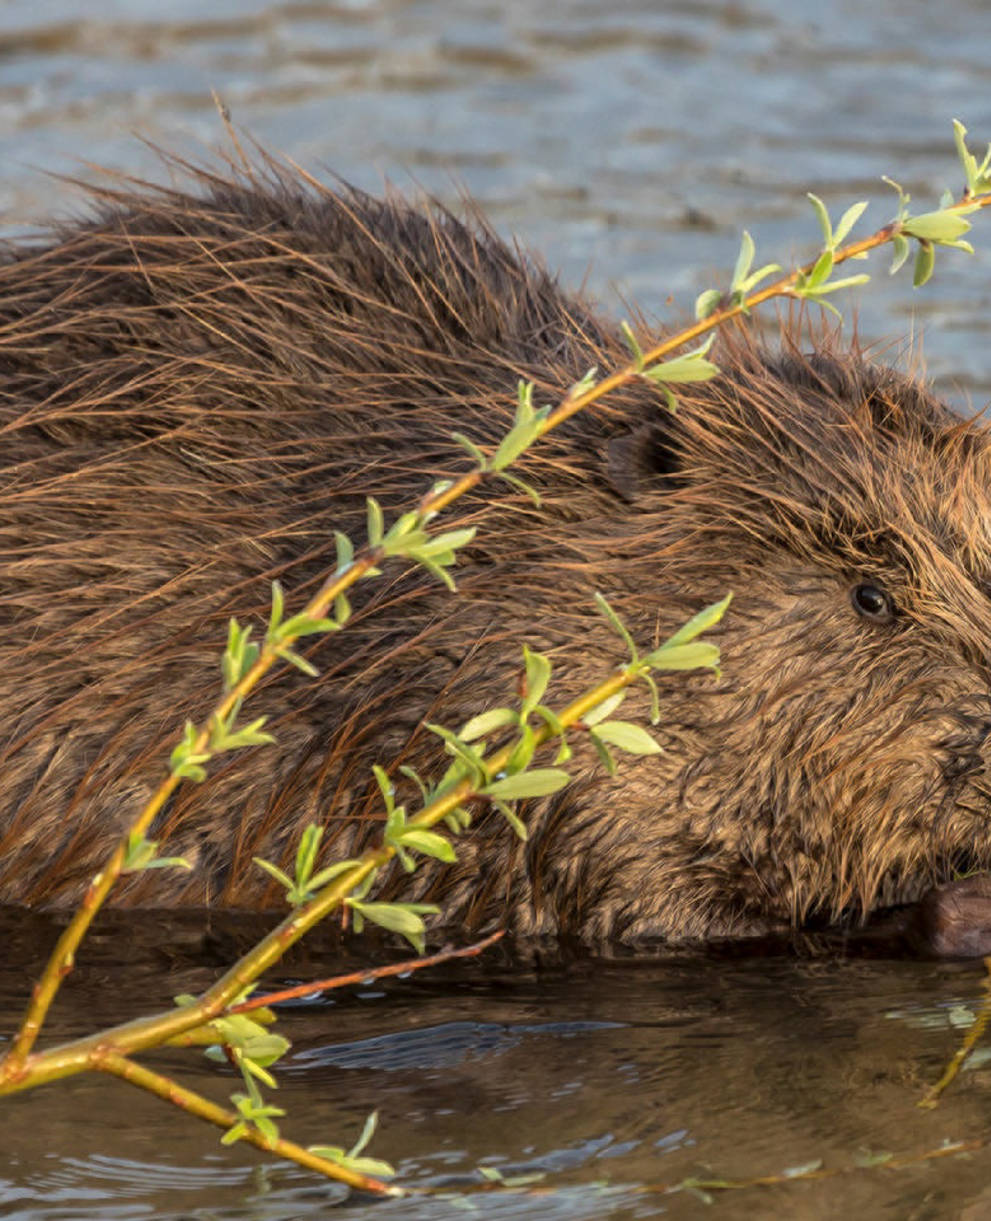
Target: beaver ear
<point>635,459</point>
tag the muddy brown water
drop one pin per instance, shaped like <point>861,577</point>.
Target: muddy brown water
<point>615,1080</point>
<point>629,145</point>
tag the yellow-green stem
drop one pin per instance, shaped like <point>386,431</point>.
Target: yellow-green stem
<point>70,1058</point>
<point>971,1038</point>
<point>109,1061</point>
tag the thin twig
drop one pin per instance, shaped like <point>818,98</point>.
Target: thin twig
<point>362,977</point>
<point>973,1035</point>
<point>110,1061</point>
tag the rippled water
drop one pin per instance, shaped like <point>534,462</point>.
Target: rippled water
<point>617,1081</point>
<point>629,144</point>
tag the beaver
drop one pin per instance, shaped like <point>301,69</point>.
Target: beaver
<point>201,382</point>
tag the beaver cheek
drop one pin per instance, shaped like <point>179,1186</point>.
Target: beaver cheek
<point>954,920</point>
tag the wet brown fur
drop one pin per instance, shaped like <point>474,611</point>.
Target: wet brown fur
<point>197,389</point>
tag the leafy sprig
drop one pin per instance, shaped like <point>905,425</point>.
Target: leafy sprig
<point>306,881</point>
<point>353,1159</point>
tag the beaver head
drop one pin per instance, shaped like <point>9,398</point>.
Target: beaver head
<point>840,764</point>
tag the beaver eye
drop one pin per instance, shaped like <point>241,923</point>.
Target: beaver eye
<point>873,603</point>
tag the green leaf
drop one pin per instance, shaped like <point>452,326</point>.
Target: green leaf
<point>538,783</point>
<point>694,656</point>
<point>847,221</point>
<point>345,552</point>
<point>342,610</point>
<point>634,739</point>
<point>406,523</point>
<point>223,737</point>
<point>550,719</point>
<point>967,160</point>
<point>274,871</point>
<point>902,248</point>
<point>412,774</point>
<point>705,619</point>
<point>458,820</point>
<point>602,750</point>
<point>306,625</point>
<point>141,856</point>
<point>903,197</point>
<point>631,342</point>
<point>267,1128</point>
<point>353,1159</point>
<point>239,656</point>
<point>924,261</point>
<point>306,852</point>
<point>265,1049</point>
<point>683,369</point>
<point>385,786</point>
<point>376,522</point>
<point>436,570</point>
<point>707,303</point>
<point>190,771</point>
<point>978,182</point>
<point>523,751</point>
<point>326,876</point>
<point>437,545</point>
<point>601,711</point>
<point>524,402</point>
<point>514,820</point>
<point>751,282</point>
<point>936,226</point>
<point>367,1132</point>
<point>487,723</point>
<point>278,606</point>
<point>523,487</point>
<point>821,271</point>
<point>512,445</point>
<point>833,286</point>
<point>185,759</point>
<point>294,659</point>
<point>372,1167</point>
<point>538,674</point>
<point>429,843</point>
<point>402,918</point>
<point>476,765</point>
<point>744,261</point>
<point>824,222</point>
<point>471,448</point>
<point>584,384</point>
<point>617,623</point>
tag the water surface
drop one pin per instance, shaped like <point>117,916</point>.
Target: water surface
<point>616,1080</point>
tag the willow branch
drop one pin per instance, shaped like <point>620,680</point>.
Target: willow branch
<point>79,1055</point>
<point>62,958</point>
<point>109,1061</point>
